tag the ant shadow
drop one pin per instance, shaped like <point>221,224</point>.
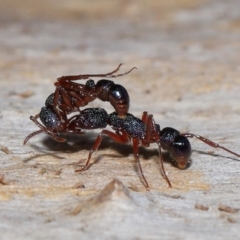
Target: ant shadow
<point>75,143</point>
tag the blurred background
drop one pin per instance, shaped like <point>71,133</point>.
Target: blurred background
<point>181,48</point>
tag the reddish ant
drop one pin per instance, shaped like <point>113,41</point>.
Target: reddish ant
<point>76,95</point>
<point>144,132</point>
<point>69,96</point>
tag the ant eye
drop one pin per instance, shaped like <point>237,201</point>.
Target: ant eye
<point>180,151</point>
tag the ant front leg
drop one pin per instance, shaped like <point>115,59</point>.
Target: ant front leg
<point>209,142</point>
<point>122,74</point>
<point>86,76</point>
<point>116,137</point>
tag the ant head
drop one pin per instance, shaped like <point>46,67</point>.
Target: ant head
<point>180,150</point>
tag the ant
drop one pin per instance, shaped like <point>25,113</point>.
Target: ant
<point>76,95</point>
<point>146,131</point>
<point>69,97</point>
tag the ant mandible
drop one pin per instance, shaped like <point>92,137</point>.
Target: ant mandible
<point>75,95</point>
<point>146,131</point>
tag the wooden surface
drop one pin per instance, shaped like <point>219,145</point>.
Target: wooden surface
<point>187,55</point>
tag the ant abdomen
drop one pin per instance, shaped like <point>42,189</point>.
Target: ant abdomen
<point>49,100</point>
<point>49,118</point>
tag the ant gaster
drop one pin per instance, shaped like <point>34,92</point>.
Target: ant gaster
<point>146,131</point>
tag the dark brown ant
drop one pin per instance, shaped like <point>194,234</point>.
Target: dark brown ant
<point>89,118</point>
<point>76,95</point>
<point>69,97</point>
<point>146,131</point>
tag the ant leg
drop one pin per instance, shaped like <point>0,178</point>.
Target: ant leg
<point>56,104</point>
<point>145,117</point>
<point>31,135</point>
<point>122,74</point>
<point>65,98</point>
<point>136,154</point>
<point>152,136</point>
<point>209,142</point>
<point>47,131</point>
<point>117,138</point>
<point>67,105</point>
<point>85,76</point>
<point>71,86</point>
<point>162,166</point>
